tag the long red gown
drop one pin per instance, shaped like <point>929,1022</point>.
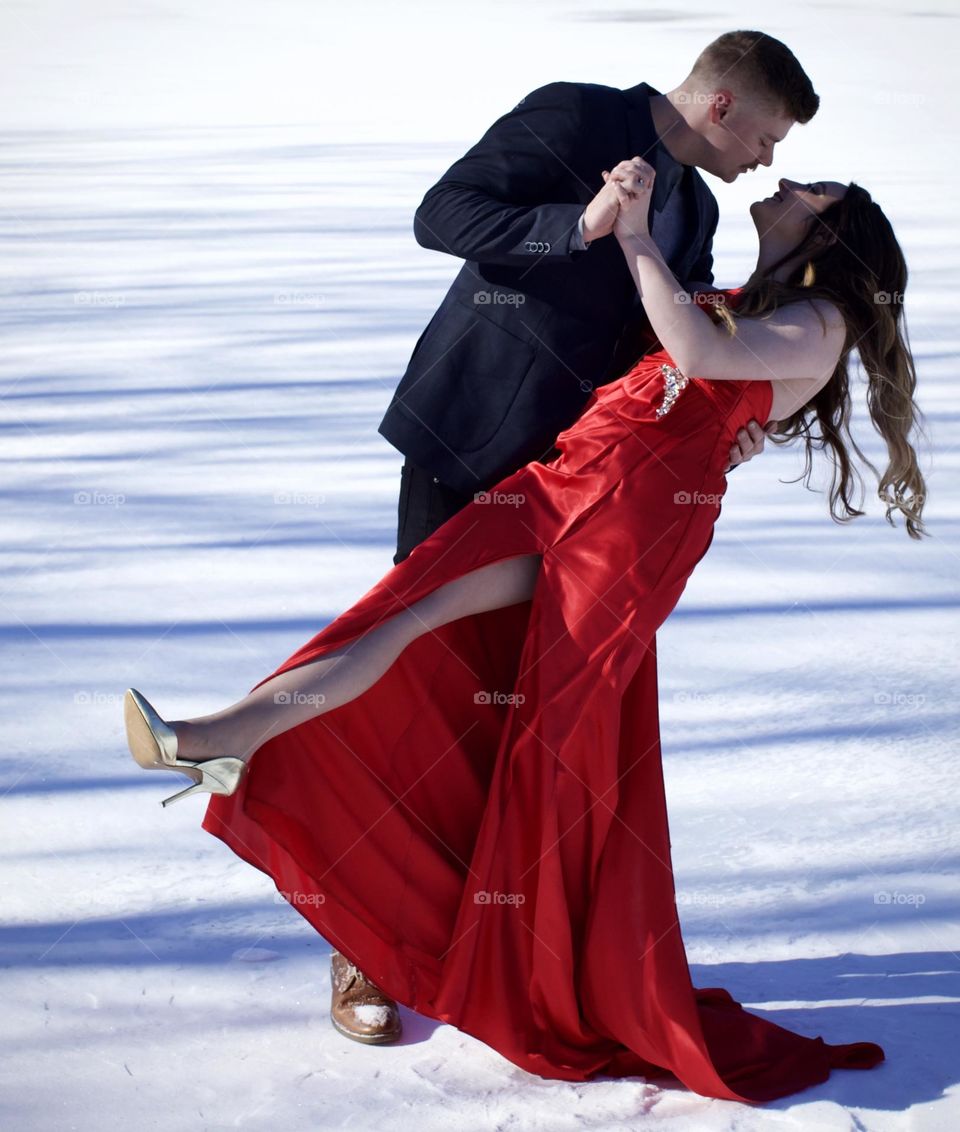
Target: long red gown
<point>484,830</point>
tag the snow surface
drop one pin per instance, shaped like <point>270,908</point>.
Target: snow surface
<point>211,288</point>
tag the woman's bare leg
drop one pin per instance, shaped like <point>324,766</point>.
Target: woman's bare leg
<point>340,676</point>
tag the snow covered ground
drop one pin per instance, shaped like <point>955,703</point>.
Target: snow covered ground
<point>210,289</point>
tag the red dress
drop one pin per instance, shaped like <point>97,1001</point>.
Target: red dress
<point>484,830</point>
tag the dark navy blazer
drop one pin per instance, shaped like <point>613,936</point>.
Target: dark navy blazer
<point>532,323</point>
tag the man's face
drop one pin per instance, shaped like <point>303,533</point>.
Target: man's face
<point>741,135</point>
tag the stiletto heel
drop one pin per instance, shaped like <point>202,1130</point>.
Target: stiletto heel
<point>153,744</point>
<point>218,776</point>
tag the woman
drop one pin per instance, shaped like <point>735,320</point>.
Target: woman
<point>458,781</point>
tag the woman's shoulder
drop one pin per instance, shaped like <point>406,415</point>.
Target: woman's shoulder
<point>811,313</point>
<point>815,309</point>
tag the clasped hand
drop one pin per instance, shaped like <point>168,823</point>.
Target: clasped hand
<point>623,204</point>
<point>622,207</point>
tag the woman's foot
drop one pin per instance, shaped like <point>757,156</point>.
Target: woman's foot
<point>197,743</point>
<point>155,745</point>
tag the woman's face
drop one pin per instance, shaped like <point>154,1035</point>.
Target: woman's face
<point>784,218</point>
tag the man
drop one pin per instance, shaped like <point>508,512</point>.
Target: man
<point>544,309</point>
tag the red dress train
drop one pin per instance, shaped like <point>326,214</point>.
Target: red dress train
<point>484,830</point>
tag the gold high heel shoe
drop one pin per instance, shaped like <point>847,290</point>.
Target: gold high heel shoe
<point>153,743</point>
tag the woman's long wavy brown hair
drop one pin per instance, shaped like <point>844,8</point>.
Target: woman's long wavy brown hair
<point>851,257</point>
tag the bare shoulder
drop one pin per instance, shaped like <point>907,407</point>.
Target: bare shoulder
<point>812,314</point>
<point>800,340</point>
<point>822,327</point>
<point>833,321</point>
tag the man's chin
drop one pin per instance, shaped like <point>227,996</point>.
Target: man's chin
<point>726,175</point>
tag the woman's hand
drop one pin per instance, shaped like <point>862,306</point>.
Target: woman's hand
<point>633,184</point>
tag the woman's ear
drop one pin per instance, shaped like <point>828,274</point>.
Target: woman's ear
<point>822,237</point>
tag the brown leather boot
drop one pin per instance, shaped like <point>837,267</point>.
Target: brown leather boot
<point>358,1008</point>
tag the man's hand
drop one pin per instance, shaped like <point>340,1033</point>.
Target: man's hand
<point>749,444</point>
<point>601,212</point>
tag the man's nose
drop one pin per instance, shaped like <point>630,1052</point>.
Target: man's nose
<point>768,160</point>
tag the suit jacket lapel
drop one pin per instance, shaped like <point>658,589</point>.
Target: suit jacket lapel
<point>641,136</point>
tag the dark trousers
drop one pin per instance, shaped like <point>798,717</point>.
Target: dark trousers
<point>425,504</point>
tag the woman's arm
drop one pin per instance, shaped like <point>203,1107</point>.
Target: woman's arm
<point>790,344</point>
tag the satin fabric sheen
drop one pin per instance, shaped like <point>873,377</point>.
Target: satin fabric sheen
<point>484,831</point>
